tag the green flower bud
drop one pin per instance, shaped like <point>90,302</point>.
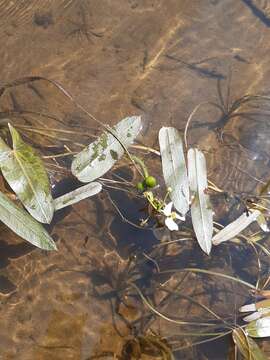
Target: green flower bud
<point>150,181</point>
<point>140,186</point>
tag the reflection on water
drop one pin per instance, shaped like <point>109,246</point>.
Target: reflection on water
<point>93,298</point>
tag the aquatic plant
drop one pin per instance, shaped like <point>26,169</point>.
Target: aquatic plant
<point>186,194</point>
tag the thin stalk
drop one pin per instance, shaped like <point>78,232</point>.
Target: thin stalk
<point>59,155</point>
<point>195,270</point>
<point>204,307</point>
<point>151,307</point>
<point>203,341</point>
<point>191,116</point>
<point>141,164</point>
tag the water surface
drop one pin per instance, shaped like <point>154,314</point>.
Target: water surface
<point>158,59</point>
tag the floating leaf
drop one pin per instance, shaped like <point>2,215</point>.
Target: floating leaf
<point>19,221</point>
<point>97,158</point>
<point>259,328</point>
<point>174,167</point>
<point>77,195</point>
<point>201,211</point>
<point>26,175</point>
<point>234,228</point>
<point>247,346</point>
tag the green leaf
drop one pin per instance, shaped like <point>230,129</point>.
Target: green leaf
<point>201,211</point>
<point>97,158</point>
<point>19,221</point>
<point>174,167</point>
<point>247,346</point>
<point>26,175</point>
<point>77,195</point>
<point>259,328</point>
<point>234,228</point>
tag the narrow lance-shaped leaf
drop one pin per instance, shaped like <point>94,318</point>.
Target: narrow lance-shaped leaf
<point>201,211</point>
<point>174,167</point>
<point>257,315</point>
<point>26,175</point>
<point>19,221</point>
<point>77,195</point>
<point>98,157</point>
<point>265,303</point>
<point>247,346</point>
<point>234,228</point>
<point>259,328</point>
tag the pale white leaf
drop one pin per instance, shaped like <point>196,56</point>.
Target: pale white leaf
<point>257,315</point>
<point>98,157</point>
<point>201,211</point>
<point>248,307</point>
<point>77,195</point>
<point>234,228</point>
<point>174,167</point>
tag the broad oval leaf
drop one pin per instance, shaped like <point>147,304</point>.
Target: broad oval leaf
<point>201,211</point>
<point>97,158</point>
<point>234,228</point>
<point>247,346</point>
<point>77,195</point>
<point>259,328</point>
<point>174,167</point>
<point>26,175</point>
<point>19,221</point>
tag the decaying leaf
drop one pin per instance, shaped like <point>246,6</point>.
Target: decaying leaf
<point>247,346</point>
<point>201,211</point>
<point>174,167</point>
<point>25,173</point>
<point>19,221</point>
<point>234,228</point>
<point>98,157</point>
<point>77,195</point>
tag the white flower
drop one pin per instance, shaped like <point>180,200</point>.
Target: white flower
<point>171,216</point>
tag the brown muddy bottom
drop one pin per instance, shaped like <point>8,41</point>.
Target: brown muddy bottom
<point>94,298</point>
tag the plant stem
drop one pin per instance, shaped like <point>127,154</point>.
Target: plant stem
<point>142,165</point>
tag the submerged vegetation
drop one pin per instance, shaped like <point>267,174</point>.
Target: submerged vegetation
<point>173,204</point>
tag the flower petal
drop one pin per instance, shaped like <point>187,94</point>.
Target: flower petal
<point>168,209</point>
<point>171,224</point>
<point>179,217</point>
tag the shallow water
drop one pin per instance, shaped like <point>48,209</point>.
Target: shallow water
<point>159,59</point>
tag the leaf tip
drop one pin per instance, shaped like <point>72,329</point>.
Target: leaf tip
<point>247,308</point>
<point>51,246</point>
